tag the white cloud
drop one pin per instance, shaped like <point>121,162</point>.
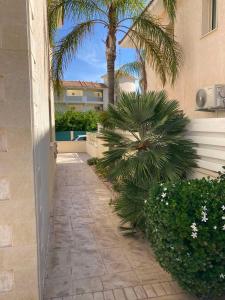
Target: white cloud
<point>92,58</point>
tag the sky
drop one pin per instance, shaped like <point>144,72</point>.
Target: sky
<point>89,63</point>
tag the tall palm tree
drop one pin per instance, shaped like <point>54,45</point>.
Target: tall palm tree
<point>115,16</point>
<point>136,69</point>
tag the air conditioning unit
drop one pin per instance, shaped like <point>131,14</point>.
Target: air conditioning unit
<point>211,98</point>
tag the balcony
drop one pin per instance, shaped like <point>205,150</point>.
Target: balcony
<point>84,99</point>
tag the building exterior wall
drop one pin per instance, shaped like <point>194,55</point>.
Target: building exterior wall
<point>203,55</point>
<point>203,66</point>
<point>95,146</point>
<point>71,146</point>
<point>81,103</point>
<point>26,152</point>
<point>127,85</point>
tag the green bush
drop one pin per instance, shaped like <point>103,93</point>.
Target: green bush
<point>186,227</point>
<point>76,121</point>
<point>130,205</point>
<point>92,161</point>
<point>103,172</point>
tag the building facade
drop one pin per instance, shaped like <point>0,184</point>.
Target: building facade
<point>199,29</point>
<point>26,148</point>
<point>85,95</point>
<point>82,96</point>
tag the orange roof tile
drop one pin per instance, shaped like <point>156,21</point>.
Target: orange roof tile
<point>84,84</point>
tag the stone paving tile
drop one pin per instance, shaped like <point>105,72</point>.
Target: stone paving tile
<point>98,296</point>
<point>119,294</point>
<point>108,295</point>
<point>119,280</point>
<point>58,287</point>
<point>140,292</point>
<point>87,285</point>
<point>130,294</point>
<point>89,258</point>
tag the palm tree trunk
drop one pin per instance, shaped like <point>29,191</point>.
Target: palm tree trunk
<point>145,82</point>
<point>111,53</point>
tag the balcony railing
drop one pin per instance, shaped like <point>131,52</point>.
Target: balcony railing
<point>84,99</point>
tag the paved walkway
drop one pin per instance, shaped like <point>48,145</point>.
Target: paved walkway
<point>89,259</point>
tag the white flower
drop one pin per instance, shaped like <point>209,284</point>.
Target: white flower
<point>163,195</point>
<point>189,182</point>
<point>223,217</point>
<point>146,201</point>
<point>222,276</point>
<point>165,189</point>
<point>194,235</point>
<point>194,227</point>
<point>204,217</point>
<point>204,208</point>
<point>215,227</point>
<point>223,227</point>
<point>161,184</point>
<point>167,203</point>
<point>223,207</point>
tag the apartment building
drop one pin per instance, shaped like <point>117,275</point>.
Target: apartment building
<point>82,96</point>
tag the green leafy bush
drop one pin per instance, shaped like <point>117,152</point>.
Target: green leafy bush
<point>130,205</point>
<point>186,227</point>
<point>92,161</point>
<point>76,121</point>
<point>102,172</point>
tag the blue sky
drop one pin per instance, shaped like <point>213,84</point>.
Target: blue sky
<point>89,63</point>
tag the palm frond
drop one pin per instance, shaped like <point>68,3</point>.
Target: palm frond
<point>170,6</point>
<point>64,51</point>
<point>161,50</point>
<point>153,149</point>
<point>79,11</point>
<point>130,69</point>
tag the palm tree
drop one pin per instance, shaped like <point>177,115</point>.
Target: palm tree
<point>146,146</point>
<point>147,33</point>
<point>136,69</point>
<point>148,143</point>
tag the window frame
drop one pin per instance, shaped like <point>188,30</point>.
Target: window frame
<point>209,16</point>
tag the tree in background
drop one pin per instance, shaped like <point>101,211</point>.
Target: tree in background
<point>136,69</point>
<point>147,33</point>
<point>77,121</point>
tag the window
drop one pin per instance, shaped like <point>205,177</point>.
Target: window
<point>209,15</point>
<point>97,94</point>
<point>74,93</point>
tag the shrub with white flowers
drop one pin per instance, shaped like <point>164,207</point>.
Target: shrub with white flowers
<point>186,228</point>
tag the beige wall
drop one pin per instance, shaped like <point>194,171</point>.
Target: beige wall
<point>26,155</point>
<point>71,146</point>
<point>127,85</point>
<point>94,145</point>
<point>204,56</point>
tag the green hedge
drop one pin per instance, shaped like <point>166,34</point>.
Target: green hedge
<point>186,228</point>
<point>77,121</point>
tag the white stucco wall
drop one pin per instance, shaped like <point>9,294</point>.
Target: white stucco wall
<point>26,155</point>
